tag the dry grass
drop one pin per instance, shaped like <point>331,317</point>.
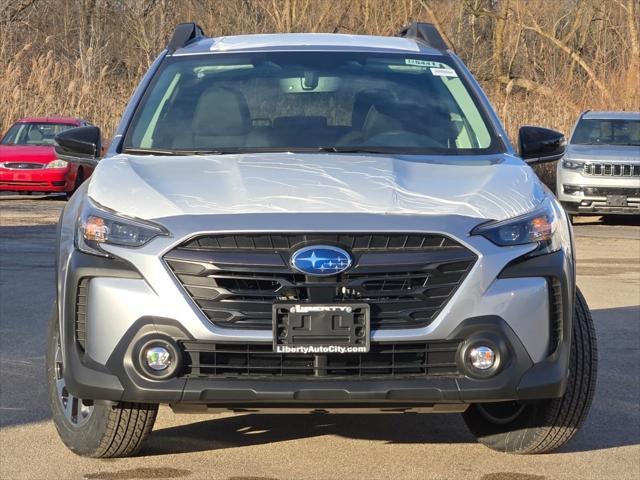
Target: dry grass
<point>52,64</point>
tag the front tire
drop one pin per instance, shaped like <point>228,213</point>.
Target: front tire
<point>87,428</point>
<point>544,425</point>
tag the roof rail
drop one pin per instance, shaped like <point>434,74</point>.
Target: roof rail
<point>183,34</point>
<point>425,33</point>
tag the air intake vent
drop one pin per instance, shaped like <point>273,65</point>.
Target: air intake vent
<point>81,313</point>
<point>555,304</point>
<point>206,359</point>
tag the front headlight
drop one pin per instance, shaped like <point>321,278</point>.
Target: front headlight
<point>572,164</point>
<point>97,226</point>
<point>537,227</point>
<point>56,164</point>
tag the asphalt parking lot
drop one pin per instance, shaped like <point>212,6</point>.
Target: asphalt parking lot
<point>266,447</point>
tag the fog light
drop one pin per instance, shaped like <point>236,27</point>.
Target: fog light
<point>158,358</point>
<point>482,357</point>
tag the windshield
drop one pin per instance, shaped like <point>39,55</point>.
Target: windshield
<point>607,132</point>
<point>309,101</point>
<point>34,133</point>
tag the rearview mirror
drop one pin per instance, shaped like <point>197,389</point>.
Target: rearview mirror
<point>81,145</point>
<point>540,145</point>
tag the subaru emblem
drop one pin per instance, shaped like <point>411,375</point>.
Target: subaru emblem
<point>321,260</point>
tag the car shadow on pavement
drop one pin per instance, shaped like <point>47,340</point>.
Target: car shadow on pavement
<point>614,420</point>
<point>611,220</point>
<point>633,220</point>
<point>258,429</point>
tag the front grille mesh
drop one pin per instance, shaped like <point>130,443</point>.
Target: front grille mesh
<point>207,359</point>
<point>239,293</point>
<point>23,165</point>
<point>612,169</point>
<point>354,242</point>
<point>81,313</point>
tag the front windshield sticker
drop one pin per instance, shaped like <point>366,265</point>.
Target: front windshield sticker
<point>422,63</point>
<point>444,72</point>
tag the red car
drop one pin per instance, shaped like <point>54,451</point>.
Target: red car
<point>28,162</point>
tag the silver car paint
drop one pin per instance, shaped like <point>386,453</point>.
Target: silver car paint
<point>115,304</point>
<point>309,41</point>
<point>492,187</point>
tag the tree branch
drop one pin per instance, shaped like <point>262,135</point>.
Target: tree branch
<point>436,22</point>
<point>575,56</point>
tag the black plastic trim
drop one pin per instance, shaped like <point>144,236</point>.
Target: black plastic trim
<point>81,373</point>
<point>547,379</point>
<point>425,33</point>
<point>183,34</point>
<point>127,383</point>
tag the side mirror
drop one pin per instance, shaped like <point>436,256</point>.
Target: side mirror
<point>81,145</point>
<point>540,145</point>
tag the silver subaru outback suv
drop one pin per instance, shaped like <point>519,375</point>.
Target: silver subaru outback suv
<point>319,223</point>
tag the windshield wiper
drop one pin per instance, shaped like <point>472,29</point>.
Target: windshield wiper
<point>158,151</point>
<point>150,151</point>
<point>355,150</point>
<point>239,150</point>
<point>209,152</point>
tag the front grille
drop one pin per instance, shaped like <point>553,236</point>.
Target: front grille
<point>23,165</point>
<point>208,359</point>
<point>81,313</point>
<point>612,169</point>
<point>405,278</point>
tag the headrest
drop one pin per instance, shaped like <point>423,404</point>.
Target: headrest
<point>221,111</point>
<point>34,135</point>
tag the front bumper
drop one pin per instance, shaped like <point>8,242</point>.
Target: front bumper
<point>121,307</point>
<point>589,194</point>
<point>36,180</point>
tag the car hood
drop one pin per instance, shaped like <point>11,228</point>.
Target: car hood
<point>152,187</point>
<point>24,153</point>
<point>598,153</point>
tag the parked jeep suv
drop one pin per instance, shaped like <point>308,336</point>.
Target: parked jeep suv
<point>320,223</point>
<point>600,171</point>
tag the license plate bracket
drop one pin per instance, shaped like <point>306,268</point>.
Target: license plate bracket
<point>321,328</point>
<point>616,200</point>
